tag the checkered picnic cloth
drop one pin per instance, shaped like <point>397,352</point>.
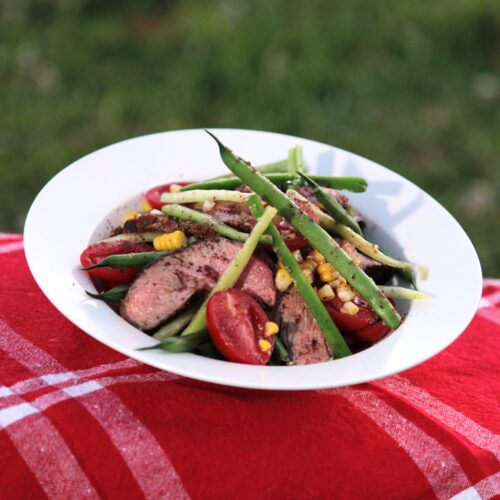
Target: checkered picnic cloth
<point>78,420</point>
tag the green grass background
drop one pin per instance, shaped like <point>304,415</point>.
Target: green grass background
<point>412,85</point>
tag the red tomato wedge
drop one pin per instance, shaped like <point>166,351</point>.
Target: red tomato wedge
<point>236,324</point>
<point>365,325</point>
<point>113,276</point>
<point>154,194</point>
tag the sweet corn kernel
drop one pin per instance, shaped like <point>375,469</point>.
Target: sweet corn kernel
<point>308,274</point>
<point>325,268</point>
<point>317,256</point>
<point>175,188</point>
<point>271,328</point>
<point>282,280</point>
<point>345,292</point>
<point>170,241</point>
<point>146,206</point>
<point>264,345</point>
<point>349,307</point>
<point>335,283</point>
<point>309,264</point>
<point>326,292</point>
<point>131,215</point>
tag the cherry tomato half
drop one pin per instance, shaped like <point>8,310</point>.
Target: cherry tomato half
<point>371,333</point>
<point>365,325</point>
<point>96,252</point>
<point>236,324</point>
<point>154,194</point>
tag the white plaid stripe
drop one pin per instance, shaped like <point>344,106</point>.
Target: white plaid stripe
<point>445,414</point>
<point>442,471</point>
<point>11,247</point>
<point>139,449</point>
<point>485,489</point>
<point>61,476</point>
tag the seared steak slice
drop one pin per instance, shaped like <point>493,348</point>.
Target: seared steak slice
<point>308,193</point>
<point>299,331</point>
<point>379,272</point>
<point>236,215</point>
<point>165,287</point>
<point>163,224</point>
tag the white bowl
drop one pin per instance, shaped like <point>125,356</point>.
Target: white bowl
<point>85,199</point>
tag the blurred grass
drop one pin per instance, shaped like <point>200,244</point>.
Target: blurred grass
<point>414,86</point>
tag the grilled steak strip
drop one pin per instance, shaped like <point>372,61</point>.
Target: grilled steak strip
<point>236,215</point>
<point>163,224</point>
<point>379,272</point>
<point>300,333</point>
<point>166,287</point>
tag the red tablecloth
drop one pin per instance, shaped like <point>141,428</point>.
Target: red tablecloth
<point>79,420</point>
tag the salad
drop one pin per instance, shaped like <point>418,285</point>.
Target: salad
<point>265,265</point>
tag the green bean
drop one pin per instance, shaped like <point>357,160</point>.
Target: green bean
<point>188,214</point>
<point>114,294</point>
<point>315,234</point>
<point>180,344</point>
<point>295,165</point>
<point>233,271</point>
<point>201,195</point>
<point>331,333</point>
<point>128,260</point>
<point>398,292</point>
<point>135,237</point>
<point>176,325</point>
<point>280,350</point>
<point>332,205</point>
<point>355,184</point>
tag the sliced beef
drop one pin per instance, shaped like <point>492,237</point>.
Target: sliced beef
<point>164,224</point>
<point>236,215</point>
<point>379,272</point>
<point>299,331</point>
<point>166,287</point>
<point>308,193</point>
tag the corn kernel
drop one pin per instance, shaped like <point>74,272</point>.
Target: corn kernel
<point>345,292</point>
<point>146,206</point>
<point>298,256</point>
<point>175,188</point>
<point>349,307</point>
<point>317,256</point>
<point>264,345</point>
<point>170,241</point>
<point>282,280</point>
<point>308,274</point>
<point>309,264</point>
<point>326,292</point>
<point>131,215</point>
<point>335,283</point>
<point>325,268</point>
<point>271,328</point>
